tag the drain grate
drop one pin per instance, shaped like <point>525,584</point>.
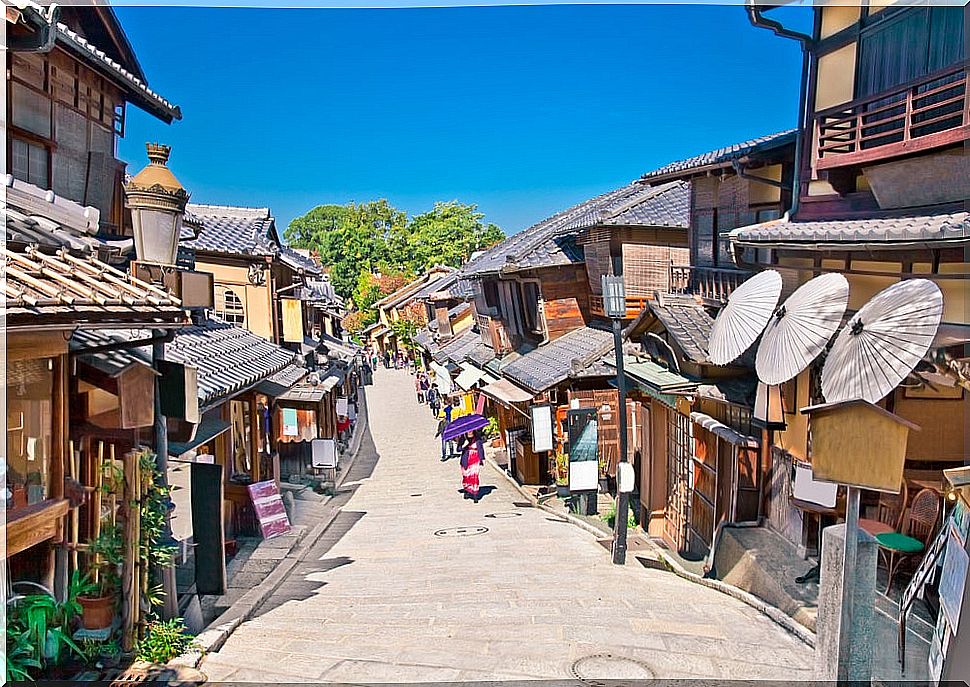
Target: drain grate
<point>610,670</point>
<point>503,514</point>
<point>461,531</point>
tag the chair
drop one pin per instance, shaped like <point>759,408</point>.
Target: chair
<point>889,513</point>
<point>924,514</point>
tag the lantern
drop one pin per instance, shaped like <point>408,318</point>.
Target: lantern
<point>769,408</point>
<point>157,203</point>
<point>614,297</point>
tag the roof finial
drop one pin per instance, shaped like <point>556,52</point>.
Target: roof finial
<point>158,153</point>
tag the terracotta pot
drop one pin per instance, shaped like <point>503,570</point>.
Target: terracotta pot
<point>497,442</point>
<point>97,612</point>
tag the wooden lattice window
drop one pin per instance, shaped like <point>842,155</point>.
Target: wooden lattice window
<point>229,307</point>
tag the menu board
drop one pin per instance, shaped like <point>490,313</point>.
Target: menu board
<point>270,512</point>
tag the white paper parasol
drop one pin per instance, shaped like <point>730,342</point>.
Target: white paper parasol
<point>744,317</point>
<point>883,342</point>
<point>800,328</point>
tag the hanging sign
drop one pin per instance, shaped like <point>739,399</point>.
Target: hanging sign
<point>269,509</point>
<point>541,428</point>
<point>292,320</point>
<point>290,424</point>
<point>342,407</point>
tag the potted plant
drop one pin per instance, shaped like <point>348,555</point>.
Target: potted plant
<point>562,474</point>
<point>491,432</point>
<point>97,595</point>
<point>39,632</point>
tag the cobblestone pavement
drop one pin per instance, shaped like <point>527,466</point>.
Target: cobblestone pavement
<point>403,588</point>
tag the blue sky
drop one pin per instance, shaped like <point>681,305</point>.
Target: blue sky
<point>521,110</point>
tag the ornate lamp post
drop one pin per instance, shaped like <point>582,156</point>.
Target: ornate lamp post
<point>157,202</point>
<point>614,306</point>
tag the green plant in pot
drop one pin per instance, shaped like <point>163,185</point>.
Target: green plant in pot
<point>39,632</point>
<point>562,469</point>
<point>98,597</point>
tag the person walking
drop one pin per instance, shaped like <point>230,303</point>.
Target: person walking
<point>472,456</point>
<point>418,390</point>
<point>442,423</point>
<point>387,360</point>
<point>425,385</point>
<point>434,400</point>
<point>447,447</point>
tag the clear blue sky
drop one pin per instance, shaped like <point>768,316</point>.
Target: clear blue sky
<point>521,110</point>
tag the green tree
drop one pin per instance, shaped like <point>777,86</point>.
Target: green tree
<point>446,235</point>
<point>350,239</point>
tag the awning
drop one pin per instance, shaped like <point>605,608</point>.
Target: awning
<point>506,393</point>
<point>282,380</point>
<point>470,375</point>
<point>657,381</point>
<point>722,431</point>
<point>208,429</point>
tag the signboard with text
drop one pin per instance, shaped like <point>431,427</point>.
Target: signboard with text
<point>270,512</point>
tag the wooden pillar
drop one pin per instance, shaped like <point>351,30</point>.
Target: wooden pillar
<point>254,444</point>
<point>58,564</point>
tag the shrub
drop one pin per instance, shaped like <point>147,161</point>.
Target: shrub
<point>164,640</point>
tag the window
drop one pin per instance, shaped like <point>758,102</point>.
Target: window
<point>530,306</point>
<point>229,308</point>
<point>491,294</point>
<point>30,389</point>
<point>30,162</point>
<point>934,40</point>
<point>30,110</point>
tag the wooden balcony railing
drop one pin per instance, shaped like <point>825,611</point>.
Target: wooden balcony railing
<point>929,113</point>
<point>634,305</point>
<point>495,334</point>
<point>713,284</point>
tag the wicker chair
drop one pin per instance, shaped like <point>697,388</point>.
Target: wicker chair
<point>924,514</point>
<point>889,513</point>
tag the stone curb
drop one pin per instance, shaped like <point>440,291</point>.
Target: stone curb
<point>773,613</point>
<point>215,635</point>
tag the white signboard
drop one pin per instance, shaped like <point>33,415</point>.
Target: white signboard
<point>324,453</point>
<point>625,477</point>
<point>953,579</point>
<point>806,488</point>
<point>542,428</point>
<point>584,475</point>
<point>342,407</point>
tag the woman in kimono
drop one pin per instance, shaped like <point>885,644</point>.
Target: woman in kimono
<point>472,457</point>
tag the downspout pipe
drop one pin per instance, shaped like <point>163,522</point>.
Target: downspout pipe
<point>757,19</point>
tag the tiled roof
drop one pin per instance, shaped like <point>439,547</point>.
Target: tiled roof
<point>901,228</point>
<point>280,383</point>
<point>409,291</point>
<point>576,354</point>
<point>35,216</point>
<point>722,156</point>
<point>457,348</point>
<point>552,241</point>
<point>138,91</point>
<point>298,262</point>
<point>229,359</point>
<point>481,354</point>
<point>46,289</point>
<point>687,322</point>
<point>445,281</point>
<point>233,230</point>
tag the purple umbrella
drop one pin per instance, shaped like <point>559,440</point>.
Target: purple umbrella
<point>463,425</point>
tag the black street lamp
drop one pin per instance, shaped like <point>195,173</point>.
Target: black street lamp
<point>614,306</point>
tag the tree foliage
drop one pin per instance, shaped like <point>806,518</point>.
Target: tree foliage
<point>357,239</point>
<point>372,249</point>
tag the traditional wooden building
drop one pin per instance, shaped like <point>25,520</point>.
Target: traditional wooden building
<point>880,196</point>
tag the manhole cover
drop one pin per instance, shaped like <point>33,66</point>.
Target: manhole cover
<point>503,515</point>
<point>605,670</point>
<point>461,531</point>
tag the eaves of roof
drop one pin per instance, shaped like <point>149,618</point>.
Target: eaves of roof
<point>721,157</point>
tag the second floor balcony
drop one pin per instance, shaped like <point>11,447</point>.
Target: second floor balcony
<point>495,334</point>
<point>712,284</point>
<point>929,113</point>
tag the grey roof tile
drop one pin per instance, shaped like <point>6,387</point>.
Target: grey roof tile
<point>687,322</point>
<point>298,262</point>
<point>723,156</point>
<point>552,241</point>
<point>902,227</point>
<point>578,354</point>
<point>457,348</point>
<point>229,359</point>
<point>233,230</point>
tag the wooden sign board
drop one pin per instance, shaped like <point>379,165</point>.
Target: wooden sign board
<point>136,396</point>
<point>858,444</point>
<point>292,320</point>
<point>179,390</point>
<point>270,512</point>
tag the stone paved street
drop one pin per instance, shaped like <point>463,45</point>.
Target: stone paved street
<point>381,598</point>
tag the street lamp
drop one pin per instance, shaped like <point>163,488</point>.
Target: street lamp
<point>614,306</point>
<point>157,202</point>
